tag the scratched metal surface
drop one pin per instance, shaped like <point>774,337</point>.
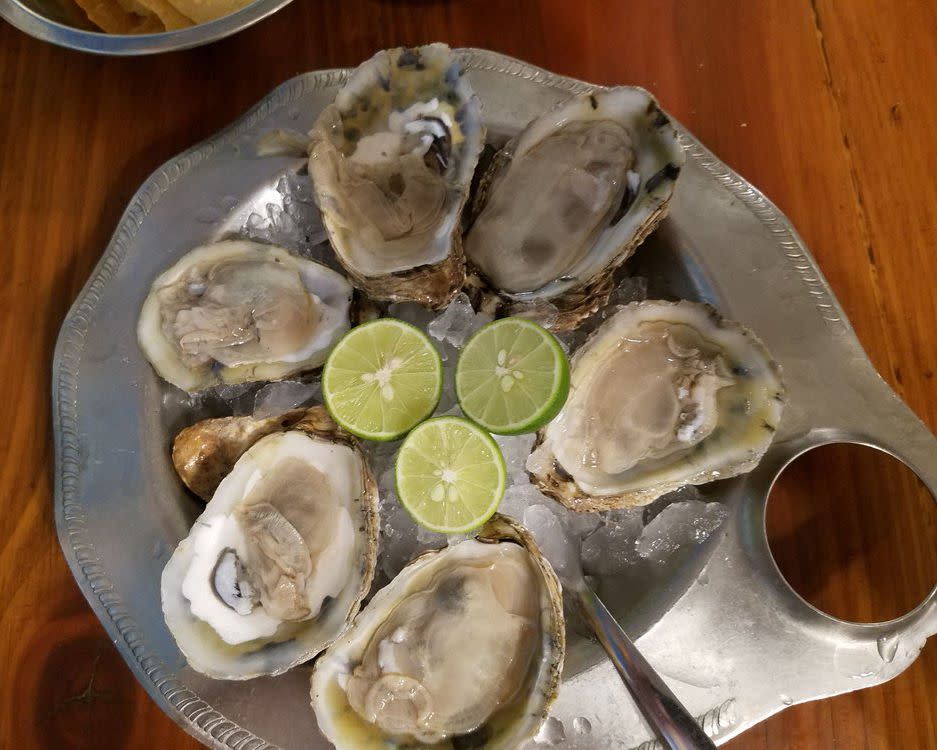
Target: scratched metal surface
<point>732,639</point>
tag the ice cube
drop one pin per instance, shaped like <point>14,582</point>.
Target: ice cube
<point>387,483</point>
<point>518,498</point>
<point>296,186</point>
<point>686,494</point>
<point>551,733</point>
<point>583,524</point>
<point>515,449</point>
<point>549,529</point>
<point>542,313</point>
<point>457,322</point>
<point>571,340</point>
<point>610,549</point>
<point>276,398</point>
<point>401,538</point>
<point>412,313</point>
<point>239,397</point>
<point>381,456</point>
<point>678,525</point>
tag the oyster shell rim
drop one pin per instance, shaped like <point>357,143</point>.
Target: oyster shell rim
<point>317,424</point>
<point>559,485</point>
<point>152,342</point>
<point>580,299</point>
<point>432,285</point>
<point>499,528</point>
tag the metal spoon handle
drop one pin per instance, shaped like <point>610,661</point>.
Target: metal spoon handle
<point>674,726</point>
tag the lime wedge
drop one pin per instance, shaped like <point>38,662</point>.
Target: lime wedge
<point>382,379</point>
<point>512,377</point>
<point>450,475</point>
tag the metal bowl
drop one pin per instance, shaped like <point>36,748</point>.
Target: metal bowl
<point>46,20</point>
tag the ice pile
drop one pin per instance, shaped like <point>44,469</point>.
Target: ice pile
<point>610,549</point>
<point>679,524</point>
<point>291,220</point>
<point>449,330</point>
<point>612,543</point>
<point>401,538</point>
<point>457,322</point>
<point>278,397</point>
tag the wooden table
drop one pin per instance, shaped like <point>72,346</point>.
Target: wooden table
<point>828,106</point>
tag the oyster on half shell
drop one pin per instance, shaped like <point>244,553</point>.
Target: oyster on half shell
<point>392,161</point>
<point>277,564</point>
<point>464,648</point>
<point>663,394</point>
<point>568,200</point>
<point>239,311</point>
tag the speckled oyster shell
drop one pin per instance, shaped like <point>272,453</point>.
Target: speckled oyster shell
<point>431,270</point>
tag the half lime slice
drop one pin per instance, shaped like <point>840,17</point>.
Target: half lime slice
<point>382,379</point>
<point>450,475</point>
<point>512,377</point>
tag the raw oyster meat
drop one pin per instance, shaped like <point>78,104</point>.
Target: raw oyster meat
<point>662,395</point>
<point>392,162</point>
<point>464,648</point>
<point>569,199</point>
<point>238,311</point>
<point>276,566</point>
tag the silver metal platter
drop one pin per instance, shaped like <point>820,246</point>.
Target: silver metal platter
<point>732,639</point>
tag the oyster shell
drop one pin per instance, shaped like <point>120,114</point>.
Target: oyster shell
<point>392,162</point>
<point>662,395</point>
<point>464,648</point>
<point>204,453</point>
<point>276,566</point>
<point>238,311</point>
<point>568,200</point>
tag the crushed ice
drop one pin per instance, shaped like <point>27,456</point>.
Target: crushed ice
<point>611,542</point>
<point>458,321</point>
<point>679,524</point>
<point>293,221</point>
<point>280,396</point>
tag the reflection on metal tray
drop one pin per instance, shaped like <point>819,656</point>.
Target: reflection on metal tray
<point>732,639</point>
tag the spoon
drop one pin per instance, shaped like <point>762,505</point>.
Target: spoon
<point>672,723</point>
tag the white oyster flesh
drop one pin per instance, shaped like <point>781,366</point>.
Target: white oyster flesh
<point>664,394</point>
<point>452,653</point>
<point>522,241</point>
<point>239,311</point>
<point>392,161</point>
<point>273,559</point>
<point>574,193</point>
<point>284,546</point>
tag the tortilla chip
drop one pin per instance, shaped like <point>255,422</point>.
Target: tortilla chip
<point>109,16</point>
<point>148,25</point>
<point>208,10</point>
<point>73,15</point>
<point>171,18</point>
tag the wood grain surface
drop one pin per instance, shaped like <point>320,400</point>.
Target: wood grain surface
<point>827,106</point>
